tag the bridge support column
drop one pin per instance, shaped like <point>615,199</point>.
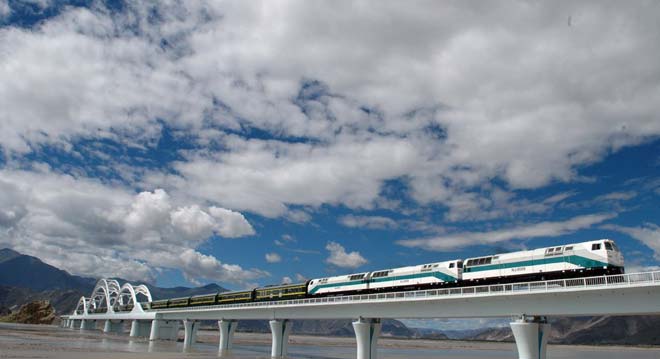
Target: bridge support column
<point>87,324</point>
<point>155,330</point>
<point>190,335</point>
<point>112,327</point>
<point>140,328</point>
<point>366,335</point>
<point>227,329</point>
<point>164,329</point>
<point>74,324</point>
<point>531,334</point>
<point>280,330</point>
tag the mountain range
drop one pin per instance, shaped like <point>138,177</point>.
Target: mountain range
<point>25,279</point>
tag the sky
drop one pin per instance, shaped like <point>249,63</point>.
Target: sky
<point>264,142</point>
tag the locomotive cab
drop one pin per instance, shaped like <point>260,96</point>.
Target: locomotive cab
<point>611,254</point>
<point>456,268</point>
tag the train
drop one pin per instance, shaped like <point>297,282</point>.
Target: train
<point>593,258</point>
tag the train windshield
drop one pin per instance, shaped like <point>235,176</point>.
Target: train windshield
<point>610,246</point>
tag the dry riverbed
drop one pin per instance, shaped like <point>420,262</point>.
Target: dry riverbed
<point>39,341</point>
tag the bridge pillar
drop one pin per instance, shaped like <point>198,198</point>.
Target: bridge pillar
<point>227,329</point>
<point>155,330</point>
<point>72,323</point>
<point>112,327</point>
<point>87,324</point>
<point>164,329</point>
<point>531,336</point>
<point>190,335</point>
<point>140,328</point>
<point>280,330</point>
<point>366,335</point>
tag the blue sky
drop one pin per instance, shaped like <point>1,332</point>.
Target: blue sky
<point>251,144</point>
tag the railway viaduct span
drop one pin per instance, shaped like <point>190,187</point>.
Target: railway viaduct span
<point>530,303</point>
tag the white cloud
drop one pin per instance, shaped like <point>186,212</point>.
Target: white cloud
<point>286,280</point>
<point>288,238</point>
<point>372,222</point>
<point>528,231</point>
<point>300,278</point>
<point>452,123</point>
<point>231,224</point>
<point>150,211</point>
<point>12,204</point>
<point>192,222</point>
<point>199,265</point>
<point>5,10</point>
<point>266,176</point>
<point>340,258</point>
<point>649,234</point>
<point>297,216</point>
<point>273,258</point>
<point>617,196</point>
<point>93,229</point>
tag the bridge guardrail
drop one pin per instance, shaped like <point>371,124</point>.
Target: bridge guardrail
<point>619,280</point>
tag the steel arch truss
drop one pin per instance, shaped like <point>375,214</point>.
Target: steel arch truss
<point>127,297</point>
<point>109,297</point>
<point>82,307</point>
<point>104,295</point>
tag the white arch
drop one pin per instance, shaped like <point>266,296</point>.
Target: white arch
<point>106,290</point>
<point>128,295</point>
<point>84,302</point>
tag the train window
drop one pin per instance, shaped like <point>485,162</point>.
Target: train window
<point>614,247</point>
<point>380,274</point>
<point>558,249</point>
<point>595,247</point>
<point>482,261</point>
<point>608,246</point>
<point>451,265</point>
<point>570,248</point>
<point>460,264</point>
<point>356,276</point>
<point>489,260</point>
<point>436,265</point>
<point>549,251</point>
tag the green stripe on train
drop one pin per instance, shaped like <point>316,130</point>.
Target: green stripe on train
<point>442,276</point>
<point>577,260</point>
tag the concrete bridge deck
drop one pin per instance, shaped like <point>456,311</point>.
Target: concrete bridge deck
<point>531,302</point>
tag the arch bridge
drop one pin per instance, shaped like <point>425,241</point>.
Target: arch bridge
<point>531,303</point>
<point>108,297</point>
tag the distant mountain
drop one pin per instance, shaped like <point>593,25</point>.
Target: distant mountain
<point>64,301</point>
<point>25,279</point>
<point>338,327</point>
<point>460,334</point>
<point>19,270</point>
<point>428,333</point>
<point>7,254</point>
<point>630,330</point>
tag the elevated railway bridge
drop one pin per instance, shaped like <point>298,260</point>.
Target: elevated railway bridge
<point>530,303</point>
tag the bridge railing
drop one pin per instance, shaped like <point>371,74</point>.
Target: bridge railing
<point>619,280</point>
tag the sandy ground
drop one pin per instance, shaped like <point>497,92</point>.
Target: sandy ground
<point>38,341</point>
